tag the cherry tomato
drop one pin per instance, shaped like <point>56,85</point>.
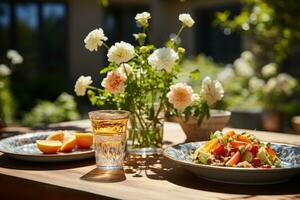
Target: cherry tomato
<point>256,162</point>
<point>219,149</point>
<point>232,152</point>
<point>254,149</point>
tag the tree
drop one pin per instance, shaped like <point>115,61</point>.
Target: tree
<point>274,24</point>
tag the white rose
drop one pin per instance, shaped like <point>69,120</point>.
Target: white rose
<point>82,84</point>
<point>125,69</point>
<point>142,18</point>
<point>120,52</point>
<point>226,74</point>
<point>243,68</point>
<point>269,70</point>
<point>114,82</point>
<point>256,83</point>
<point>180,96</point>
<point>186,19</point>
<point>94,39</point>
<point>211,91</point>
<point>4,70</point>
<point>14,56</point>
<point>163,58</point>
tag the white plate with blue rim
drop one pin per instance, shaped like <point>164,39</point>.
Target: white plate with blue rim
<point>290,166</point>
<point>23,147</point>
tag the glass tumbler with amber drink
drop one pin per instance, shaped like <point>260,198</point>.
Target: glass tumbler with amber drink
<point>109,127</point>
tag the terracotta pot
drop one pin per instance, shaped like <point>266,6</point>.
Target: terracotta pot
<point>2,125</point>
<point>217,121</point>
<point>296,124</point>
<point>272,121</point>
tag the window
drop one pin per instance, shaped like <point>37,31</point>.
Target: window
<point>25,32</point>
<point>54,37</point>
<point>38,31</point>
<point>4,28</point>
<point>120,24</point>
<point>212,41</point>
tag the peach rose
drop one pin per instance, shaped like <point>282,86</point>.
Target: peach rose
<point>114,82</point>
<point>180,95</point>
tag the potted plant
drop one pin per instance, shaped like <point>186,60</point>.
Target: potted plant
<point>258,89</point>
<point>7,102</point>
<point>273,94</point>
<point>141,80</point>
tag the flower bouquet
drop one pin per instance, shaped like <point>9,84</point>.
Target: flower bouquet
<point>142,80</point>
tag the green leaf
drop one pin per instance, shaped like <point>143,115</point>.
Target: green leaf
<point>152,113</point>
<point>223,16</point>
<point>104,3</point>
<point>195,74</point>
<point>216,134</point>
<point>187,114</point>
<point>203,157</point>
<point>106,69</point>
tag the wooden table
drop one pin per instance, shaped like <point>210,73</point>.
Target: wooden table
<point>142,178</point>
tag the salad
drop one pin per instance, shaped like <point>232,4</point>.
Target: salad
<point>236,150</point>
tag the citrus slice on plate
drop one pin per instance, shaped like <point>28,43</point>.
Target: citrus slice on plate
<point>56,136</point>
<point>84,140</point>
<point>68,144</point>
<point>48,146</point>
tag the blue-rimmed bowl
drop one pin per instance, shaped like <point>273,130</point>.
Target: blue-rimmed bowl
<point>289,155</point>
<point>23,147</point>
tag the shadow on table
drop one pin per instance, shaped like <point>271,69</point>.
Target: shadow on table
<point>150,166</point>
<point>11,163</point>
<point>158,168</point>
<point>105,176</point>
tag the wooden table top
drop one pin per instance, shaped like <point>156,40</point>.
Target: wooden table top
<point>142,178</point>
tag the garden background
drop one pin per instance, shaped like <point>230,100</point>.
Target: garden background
<point>248,45</point>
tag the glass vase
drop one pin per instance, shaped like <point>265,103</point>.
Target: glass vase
<point>145,132</point>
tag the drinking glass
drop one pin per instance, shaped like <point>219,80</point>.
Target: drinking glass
<point>109,127</point>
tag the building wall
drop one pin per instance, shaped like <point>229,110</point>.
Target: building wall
<point>165,19</point>
<point>84,16</point>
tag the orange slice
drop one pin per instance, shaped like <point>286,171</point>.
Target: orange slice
<point>56,136</point>
<point>48,146</point>
<point>84,140</point>
<point>68,144</point>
